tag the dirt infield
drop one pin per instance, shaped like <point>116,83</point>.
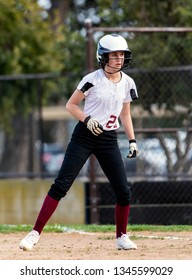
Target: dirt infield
<point>99,246</point>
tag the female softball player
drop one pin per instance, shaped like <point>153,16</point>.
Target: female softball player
<point>107,93</point>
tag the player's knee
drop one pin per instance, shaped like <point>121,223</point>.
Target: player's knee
<point>56,192</point>
<point>124,198</point>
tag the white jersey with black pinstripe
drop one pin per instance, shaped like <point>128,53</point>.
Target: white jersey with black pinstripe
<point>104,99</point>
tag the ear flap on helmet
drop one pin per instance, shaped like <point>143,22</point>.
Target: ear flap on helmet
<point>103,59</point>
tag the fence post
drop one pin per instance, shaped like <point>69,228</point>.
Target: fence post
<point>40,119</point>
<point>93,198</point>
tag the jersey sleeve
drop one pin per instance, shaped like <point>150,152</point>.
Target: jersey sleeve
<point>85,84</point>
<point>131,92</point>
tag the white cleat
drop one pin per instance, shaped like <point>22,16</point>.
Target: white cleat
<point>29,241</point>
<point>124,243</point>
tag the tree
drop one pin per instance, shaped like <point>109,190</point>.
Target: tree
<point>27,43</point>
<point>31,42</point>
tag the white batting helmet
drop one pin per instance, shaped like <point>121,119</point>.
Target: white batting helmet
<point>112,43</point>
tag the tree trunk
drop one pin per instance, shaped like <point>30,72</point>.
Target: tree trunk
<point>62,6</point>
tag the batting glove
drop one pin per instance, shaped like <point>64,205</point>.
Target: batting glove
<point>94,126</point>
<point>133,149</point>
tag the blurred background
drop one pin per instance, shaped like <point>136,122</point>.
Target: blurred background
<point>46,47</point>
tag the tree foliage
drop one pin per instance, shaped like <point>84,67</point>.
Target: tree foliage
<point>28,45</point>
<point>36,40</point>
<point>28,40</point>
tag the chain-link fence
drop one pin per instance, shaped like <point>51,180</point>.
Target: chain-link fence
<point>161,176</point>
<point>153,202</point>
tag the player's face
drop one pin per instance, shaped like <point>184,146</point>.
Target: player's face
<point>116,59</point>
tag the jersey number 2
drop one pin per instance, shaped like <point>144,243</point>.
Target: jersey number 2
<point>111,123</point>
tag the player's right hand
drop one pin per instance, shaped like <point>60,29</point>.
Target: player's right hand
<point>94,126</point>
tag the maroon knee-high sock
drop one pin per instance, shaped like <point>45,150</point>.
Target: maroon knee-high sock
<point>47,209</point>
<point>121,219</point>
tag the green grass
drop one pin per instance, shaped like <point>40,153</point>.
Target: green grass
<point>5,228</point>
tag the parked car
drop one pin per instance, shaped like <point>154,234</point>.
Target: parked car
<point>139,165</point>
<point>130,164</point>
<point>52,157</point>
<point>151,160</point>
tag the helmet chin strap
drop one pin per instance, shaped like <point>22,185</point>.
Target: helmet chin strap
<point>113,68</point>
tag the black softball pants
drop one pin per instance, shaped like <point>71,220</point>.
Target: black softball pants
<point>105,148</point>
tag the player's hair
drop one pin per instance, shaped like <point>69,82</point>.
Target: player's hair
<point>113,43</point>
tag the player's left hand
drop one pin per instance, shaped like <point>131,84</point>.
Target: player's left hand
<point>133,149</point>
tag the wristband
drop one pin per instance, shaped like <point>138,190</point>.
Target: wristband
<point>86,120</point>
<point>132,141</point>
